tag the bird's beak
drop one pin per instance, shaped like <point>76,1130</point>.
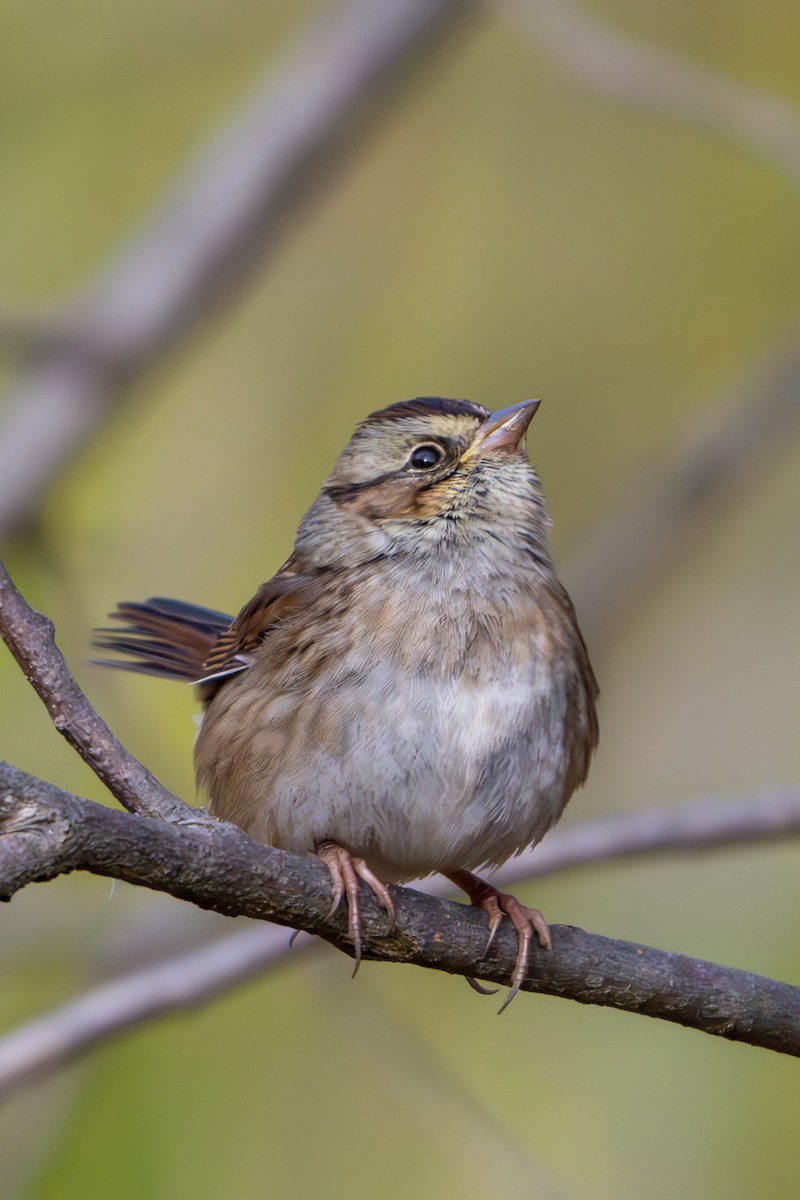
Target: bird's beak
<point>503,430</point>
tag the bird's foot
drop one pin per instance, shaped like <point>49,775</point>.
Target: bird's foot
<point>346,870</point>
<point>496,905</point>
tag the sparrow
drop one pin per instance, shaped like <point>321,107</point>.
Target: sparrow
<point>410,693</point>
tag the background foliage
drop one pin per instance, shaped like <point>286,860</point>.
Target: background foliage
<point>505,234</point>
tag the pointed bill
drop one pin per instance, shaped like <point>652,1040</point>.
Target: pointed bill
<point>503,430</point>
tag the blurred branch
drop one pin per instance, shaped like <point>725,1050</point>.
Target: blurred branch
<point>733,446</point>
<point>408,1069</point>
<point>42,1046</point>
<point>211,230</point>
<point>31,331</point>
<point>605,61</point>
<point>31,639</point>
<point>204,235</point>
<point>710,823</point>
<point>45,832</point>
<point>719,455</point>
<point>407,1062</point>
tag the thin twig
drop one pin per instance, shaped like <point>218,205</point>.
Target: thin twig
<point>708,823</point>
<point>185,981</point>
<point>45,832</point>
<point>720,454</point>
<point>732,445</point>
<point>212,229</point>
<point>604,61</point>
<point>408,1062</point>
<point>31,639</point>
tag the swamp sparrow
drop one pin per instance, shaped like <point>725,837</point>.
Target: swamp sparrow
<point>410,693</point>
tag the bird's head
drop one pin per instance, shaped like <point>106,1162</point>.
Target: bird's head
<point>436,470</point>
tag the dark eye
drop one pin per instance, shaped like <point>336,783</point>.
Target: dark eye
<point>425,458</point>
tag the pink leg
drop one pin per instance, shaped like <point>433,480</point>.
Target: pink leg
<point>496,905</point>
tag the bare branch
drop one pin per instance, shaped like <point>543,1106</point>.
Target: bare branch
<point>709,823</point>
<point>605,61</point>
<point>721,453</point>
<point>42,1046</point>
<point>413,1070</point>
<point>31,331</point>
<point>30,638</point>
<point>731,447</point>
<point>212,229</point>
<point>45,832</point>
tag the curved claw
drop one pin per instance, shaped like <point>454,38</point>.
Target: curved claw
<point>526,921</point>
<point>479,988</point>
<point>345,871</point>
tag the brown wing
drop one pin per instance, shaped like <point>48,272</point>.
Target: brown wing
<point>234,648</point>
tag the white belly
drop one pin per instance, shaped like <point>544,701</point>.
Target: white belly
<point>428,776</point>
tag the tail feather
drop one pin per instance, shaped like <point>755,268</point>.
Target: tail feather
<point>168,638</point>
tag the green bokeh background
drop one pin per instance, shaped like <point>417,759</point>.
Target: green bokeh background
<point>502,235</point>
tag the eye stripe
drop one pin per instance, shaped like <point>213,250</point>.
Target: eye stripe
<point>344,490</point>
<point>407,475</point>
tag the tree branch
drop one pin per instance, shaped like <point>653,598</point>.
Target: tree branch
<point>724,449</point>
<point>185,981</point>
<point>600,59</point>
<point>719,454</point>
<point>45,832</point>
<point>31,639</point>
<point>210,231</point>
<point>46,1043</point>
<point>708,823</point>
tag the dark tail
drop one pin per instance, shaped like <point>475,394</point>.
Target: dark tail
<point>162,637</point>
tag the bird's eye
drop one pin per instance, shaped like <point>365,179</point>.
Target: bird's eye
<point>426,457</point>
